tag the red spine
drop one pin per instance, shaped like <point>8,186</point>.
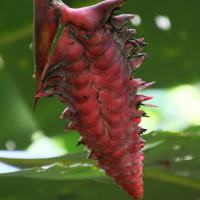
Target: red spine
<point>91,70</point>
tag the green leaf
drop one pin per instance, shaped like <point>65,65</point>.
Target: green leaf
<point>17,123</point>
<point>69,159</point>
<point>18,188</point>
<point>169,158</point>
<point>61,172</point>
<point>173,157</point>
<point>193,129</point>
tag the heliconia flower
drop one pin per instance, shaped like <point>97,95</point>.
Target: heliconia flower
<point>90,70</point>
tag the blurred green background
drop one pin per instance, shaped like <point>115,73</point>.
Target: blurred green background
<point>171,165</point>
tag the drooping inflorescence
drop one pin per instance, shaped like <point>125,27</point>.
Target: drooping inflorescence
<point>90,70</point>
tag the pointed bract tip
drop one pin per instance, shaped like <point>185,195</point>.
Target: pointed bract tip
<point>143,86</point>
<point>44,94</point>
<point>80,143</point>
<point>142,145</point>
<point>142,130</point>
<point>138,120</point>
<point>141,157</point>
<point>121,20</point>
<point>39,95</point>
<point>149,105</point>
<point>35,103</point>
<point>148,98</point>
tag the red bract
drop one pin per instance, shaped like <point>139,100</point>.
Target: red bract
<point>90,70</point>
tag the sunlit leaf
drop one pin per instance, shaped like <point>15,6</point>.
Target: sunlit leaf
<point>169,157</point>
